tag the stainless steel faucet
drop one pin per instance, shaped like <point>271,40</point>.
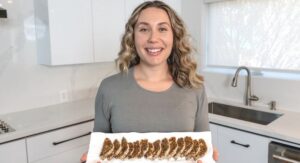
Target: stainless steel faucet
<point>248,96</point>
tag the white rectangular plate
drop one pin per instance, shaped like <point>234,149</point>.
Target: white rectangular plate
<point>97,139</point>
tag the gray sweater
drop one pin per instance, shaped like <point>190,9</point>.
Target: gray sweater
<point>124,106</point>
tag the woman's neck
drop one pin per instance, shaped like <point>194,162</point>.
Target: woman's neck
<point>153,74</point>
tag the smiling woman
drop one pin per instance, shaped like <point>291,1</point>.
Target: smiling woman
<point>181,65</point>
<point>153,37</point>
<point>158,89</point>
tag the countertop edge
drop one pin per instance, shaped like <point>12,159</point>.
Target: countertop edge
<point>45,119</point>
<point>13,136</point>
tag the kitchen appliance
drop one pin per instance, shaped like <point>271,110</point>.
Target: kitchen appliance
<point>282,153</point>
<point>5,128</point>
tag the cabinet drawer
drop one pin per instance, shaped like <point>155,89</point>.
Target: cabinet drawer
<point>239,146</point>
<point>71,156</point>
<point>13,152</point>
<point>58,141</point>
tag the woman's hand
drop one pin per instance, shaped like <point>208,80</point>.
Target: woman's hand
<point>215,156</point>
<point>83,157</point>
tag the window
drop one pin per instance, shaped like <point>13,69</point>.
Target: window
<point>262,34</point>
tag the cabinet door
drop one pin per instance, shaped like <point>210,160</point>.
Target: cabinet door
<point>59,143</point>
<point>214,134</point>
<point>13,152</point>
<point>70,26</point>
<point>238,146</point>
<point>109,25</point>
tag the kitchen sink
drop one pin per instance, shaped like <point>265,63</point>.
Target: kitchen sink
<point>245,114</point>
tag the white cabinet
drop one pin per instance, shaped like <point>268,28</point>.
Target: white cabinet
<point>109,25</point>
<point>239,146</point>
<point>63,31</point>
<point>70,156</point>
<point>82,31</point>
<point>13,152</point>
<point>60,146</point>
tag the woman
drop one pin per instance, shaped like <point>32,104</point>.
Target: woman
<point>158,89</point>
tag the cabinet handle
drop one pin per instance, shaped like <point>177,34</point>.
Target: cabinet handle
<point>63,141</point>
<point>285,159</point>
<point>244,145</point>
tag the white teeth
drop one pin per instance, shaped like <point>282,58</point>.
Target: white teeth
<point>154,50</point>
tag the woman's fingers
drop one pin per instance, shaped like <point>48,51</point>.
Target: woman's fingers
<point>83,157</point>
<point>199,161</point>
<point>215,154</point>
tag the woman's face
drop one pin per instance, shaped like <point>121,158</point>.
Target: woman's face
<point>153,37</point>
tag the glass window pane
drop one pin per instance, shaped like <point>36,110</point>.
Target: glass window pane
<point>255,33</point>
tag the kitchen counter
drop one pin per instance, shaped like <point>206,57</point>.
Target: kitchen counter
<point>286,127</point>
<point>34,121</point>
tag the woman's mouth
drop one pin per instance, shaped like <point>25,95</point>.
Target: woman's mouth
<point>154,51</point>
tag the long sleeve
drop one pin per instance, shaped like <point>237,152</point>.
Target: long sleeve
<point>201,121</point>
<point>102,111</point>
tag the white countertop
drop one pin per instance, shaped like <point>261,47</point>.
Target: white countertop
<point>34,121</point>
<point>43,119</point>
<point>286,127</point>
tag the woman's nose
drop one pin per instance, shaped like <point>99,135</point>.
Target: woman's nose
<point>153,37</point>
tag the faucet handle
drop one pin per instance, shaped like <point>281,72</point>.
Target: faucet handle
<point>272,105</point>
<point>253,98</point>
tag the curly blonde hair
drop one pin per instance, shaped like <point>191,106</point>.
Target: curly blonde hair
<point>181,65</point>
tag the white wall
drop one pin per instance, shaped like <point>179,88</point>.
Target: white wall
<point>286,92</point>
<point>23,83</point>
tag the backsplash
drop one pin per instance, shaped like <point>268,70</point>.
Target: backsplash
<point>23,83</point>
<point>284,91</point>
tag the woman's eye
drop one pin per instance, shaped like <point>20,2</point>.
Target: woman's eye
<point>163,29</point>
<point>143,30</point>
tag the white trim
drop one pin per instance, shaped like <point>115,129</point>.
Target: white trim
<point>203,34</point>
